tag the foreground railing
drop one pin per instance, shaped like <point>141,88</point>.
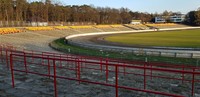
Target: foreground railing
<point>115,73</point>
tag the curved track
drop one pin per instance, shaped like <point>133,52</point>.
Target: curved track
<point>85,40</point>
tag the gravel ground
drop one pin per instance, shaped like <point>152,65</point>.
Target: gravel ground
<point>29,85</point>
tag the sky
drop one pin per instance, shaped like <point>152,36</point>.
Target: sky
<point>150,6</point>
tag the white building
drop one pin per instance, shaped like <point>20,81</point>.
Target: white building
<point>39,23</point>
<point>177,18</point>
<point>136,22</point>
<point>160,20</point>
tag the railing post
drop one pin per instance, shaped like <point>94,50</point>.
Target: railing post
<point>106,70</point>
<point>160,54</point>
<point>192,55</point>
<point>124,69</point>
<point>42,58</point>
<point>116,80</point>
<point>193,78</point>
<point>7,58</point>
<point>145,76</point>
<point>60,61</point>
<point>175,55</point>
<point>101,64</point>
<point>151,70</point>
<point>145,73</point>
<point>183,74</point>
<point>12,71</point>
<point>55,84</point>
<point>32,57</point>
<point>1,54</point>
<point>79,74</point>
<point>81,59</point>
<point>49,72</point>
<point>25,65</point>
<point>76,68</point>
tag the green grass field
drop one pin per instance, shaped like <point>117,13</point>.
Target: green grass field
<point>60,45</point>
<point>181,38</point>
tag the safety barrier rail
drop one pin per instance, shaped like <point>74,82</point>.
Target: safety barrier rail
<point>117,71</point>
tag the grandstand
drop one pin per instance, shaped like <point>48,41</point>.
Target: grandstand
<point>121,28</point>
<point>39,28</point>
<point>166,25</point>
<point>137,27</point>
<point>84,29</point>
<point>10,30</point>
<point>62,27</point>
<point>90,28</point>
<point>110,28</point>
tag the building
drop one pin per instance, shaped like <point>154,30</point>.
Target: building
<point>160,19</point>
<point>173,19</point>
<point>177,18</point>
<point>136,22</point>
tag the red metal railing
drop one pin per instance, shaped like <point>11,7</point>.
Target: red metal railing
<point>109,66</point>
<point>116,69</point>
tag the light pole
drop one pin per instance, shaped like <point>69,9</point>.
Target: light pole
<point>14,8</point>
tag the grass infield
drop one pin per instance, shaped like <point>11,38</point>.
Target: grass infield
<point>179,38</point>
<point>60,45</point>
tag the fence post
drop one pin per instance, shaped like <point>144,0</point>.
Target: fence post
<point>145,73</point>
<point>49,72</point>
<point>32,55</point>
<point>183,75</point>
<point>25,65</point>
<point>101,64</point>
<point>151,70</point>
<point>12,71</point>
<point>132,52</point>
<point>160,54</point>
<point>1,54</point>
<point>79,74</point>
<point>76,68</point>
<point>55,84</point>
<point>192,55</point>
<point>42,58</point>
<point>81,62</point>
<point>106,70</point>
<point>145,76</point>
<point>175,55</point>
<point>116,80</point>
<point>60,61</point>
<point>124,69</point>
<point>193,77</point>
<point>7,58</point>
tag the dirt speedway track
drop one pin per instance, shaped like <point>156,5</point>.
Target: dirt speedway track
<point>96,41</point>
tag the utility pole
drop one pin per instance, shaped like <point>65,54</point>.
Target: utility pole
<point>6,16</point>
<point>15,7</point>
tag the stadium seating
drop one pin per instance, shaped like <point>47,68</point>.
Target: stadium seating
<point>80,27</point>
<point>102,26</point>
<point>105,28</point>
<point>9,30</point>
<point>116,26</point>
<point>120,27</point>
<point>166,25</point>
<point>62,27</point>
<point>137,27</point>
<point>39,28</point>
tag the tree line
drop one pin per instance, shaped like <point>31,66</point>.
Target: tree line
<point>193,18</point>
<point>47,11</point>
